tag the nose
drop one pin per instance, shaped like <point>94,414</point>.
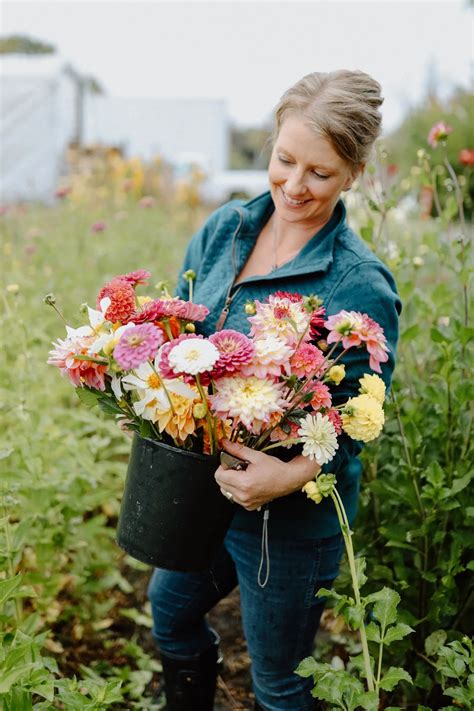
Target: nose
<point>294,184</point>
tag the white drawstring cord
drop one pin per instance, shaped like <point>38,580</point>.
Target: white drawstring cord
<point>265,554</point>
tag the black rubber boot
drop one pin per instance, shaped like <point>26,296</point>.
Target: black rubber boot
<point>191,685</point>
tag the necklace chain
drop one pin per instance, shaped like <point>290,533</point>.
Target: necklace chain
<point>275,246</point>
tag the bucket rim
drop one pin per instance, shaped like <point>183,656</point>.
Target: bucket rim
<point>171,448</point>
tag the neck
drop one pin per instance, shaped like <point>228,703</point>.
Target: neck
<point>294,235</point>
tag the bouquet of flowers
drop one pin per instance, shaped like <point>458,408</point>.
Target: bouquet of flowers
<point>142,361</point>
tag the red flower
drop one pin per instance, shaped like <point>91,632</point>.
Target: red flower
<point>140,276</point>
<point>98,227</point>
<point>466,156</point>
<point>122,295</point>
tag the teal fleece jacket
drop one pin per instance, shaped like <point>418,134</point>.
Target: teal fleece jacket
<point>339,268</point>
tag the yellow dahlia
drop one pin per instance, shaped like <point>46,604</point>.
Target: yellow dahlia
<point>374,386</point>
<point>362,418</point>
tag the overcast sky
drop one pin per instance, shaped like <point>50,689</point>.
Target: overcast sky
<point>250,52</point>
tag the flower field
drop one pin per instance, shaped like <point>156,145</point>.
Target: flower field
<point>74,622</point>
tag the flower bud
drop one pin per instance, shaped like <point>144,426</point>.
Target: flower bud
<point>322,345</point>
<point>13,288</point>
<point>312,302</point>
<point>199,411</point>
<point>190,328</point>
<point>250,308</point>
<point>337,373</point>
<point>189,275</point>
<point>50,299</point>
<point>83,308</point>
<point>311,489</point>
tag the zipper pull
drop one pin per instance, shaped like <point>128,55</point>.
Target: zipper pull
<point>223,314</point>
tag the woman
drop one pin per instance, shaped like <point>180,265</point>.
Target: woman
<point>293,238</point>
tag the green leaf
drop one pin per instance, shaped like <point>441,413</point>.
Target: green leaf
<point>306,667</point>
<point>392,677</point>
<point>437,336</point>
<point>397,632</point>
<point>385,605</point>
<point>434,642</point>
<point>373,632</point>
<point>4,453</point>
<point>88,397</point>
<point>8,587</point>
<point>21,672</point>
<point>460,484</point>
<point>360,566</point>
<point>369,700</point>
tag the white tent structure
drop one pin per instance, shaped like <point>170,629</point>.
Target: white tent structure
<point>37,122</point>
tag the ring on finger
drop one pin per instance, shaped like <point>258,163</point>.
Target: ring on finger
<point>229,495</point>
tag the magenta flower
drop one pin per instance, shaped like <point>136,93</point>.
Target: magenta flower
<point>336,419</point>
<point>317,322</point>
<point>137,345</point>
<point>439,132</point>
<point>161,308</point>
<point>235,351</point>
<point>98,227</point>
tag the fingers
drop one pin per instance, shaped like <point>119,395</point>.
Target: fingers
<point>241,451</point>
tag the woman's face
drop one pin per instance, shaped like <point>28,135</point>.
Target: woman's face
<point>306,174</point>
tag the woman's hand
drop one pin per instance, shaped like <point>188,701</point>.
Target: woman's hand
<point>265,478</point>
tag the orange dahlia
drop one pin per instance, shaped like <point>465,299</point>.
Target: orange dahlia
<point>122,296</point>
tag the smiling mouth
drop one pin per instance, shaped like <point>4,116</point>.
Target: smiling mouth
<point>291,201</point>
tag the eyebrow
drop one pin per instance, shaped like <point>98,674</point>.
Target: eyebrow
<point>318,166</point>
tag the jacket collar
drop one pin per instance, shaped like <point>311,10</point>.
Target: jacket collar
<point>316,255</point>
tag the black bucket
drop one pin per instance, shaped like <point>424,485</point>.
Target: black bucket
<point>173,514</point>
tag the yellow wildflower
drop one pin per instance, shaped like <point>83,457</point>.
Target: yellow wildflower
<point>374,386</point>
<point>13,288</point>
<point>363,418</point>
<point>337,373</point>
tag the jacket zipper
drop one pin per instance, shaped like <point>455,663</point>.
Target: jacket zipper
<point>230,296</point>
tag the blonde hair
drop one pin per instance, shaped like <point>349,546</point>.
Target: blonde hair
<point>343,106</point>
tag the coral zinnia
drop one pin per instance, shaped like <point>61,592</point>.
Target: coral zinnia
<point>161,308</point>
<point>122,297</point>
<point>235,350</point>
<point>137,345</point>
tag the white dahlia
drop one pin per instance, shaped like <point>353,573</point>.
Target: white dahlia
<point>252,401</point>
<point>193,355</point>
<point>319,438</point>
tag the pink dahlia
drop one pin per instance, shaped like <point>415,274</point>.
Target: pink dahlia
<point>137,345</point>
<point>79,372</point>
<point>122,296</point>
<point>291,296</point>
<point>354,329</point>
<point>317,322</point>
<point>140,276</point>
<point>161,308</point>
<point>235,351</point>
<point>335,418</point>
<point>306,361</point>
<point>281,317</point>
<point>321,395</point>
<point>439,132</point>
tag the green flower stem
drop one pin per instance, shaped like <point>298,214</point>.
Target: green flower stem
<point>163,386</point>
<point>190,285</point>
<point>10,566</point>
<point>346,532</point>
<point>291,440</point>
<point>209,418</point>
<point>168,329</point>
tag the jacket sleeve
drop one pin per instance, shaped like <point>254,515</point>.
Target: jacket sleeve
<point>367,287</point>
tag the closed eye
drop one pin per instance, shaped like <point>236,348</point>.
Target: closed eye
<point>318,175</point>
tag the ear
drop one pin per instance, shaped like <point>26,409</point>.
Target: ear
<point>354,174</point>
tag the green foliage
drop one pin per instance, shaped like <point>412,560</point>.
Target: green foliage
<point>63,464</point>
<point>21,44</point>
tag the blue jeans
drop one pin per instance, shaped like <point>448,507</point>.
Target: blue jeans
<point>279,620</point>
